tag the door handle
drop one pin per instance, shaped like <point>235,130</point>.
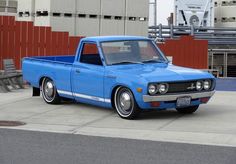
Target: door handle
<point>77,71</point>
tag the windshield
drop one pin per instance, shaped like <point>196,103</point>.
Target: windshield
<point>131,52</point>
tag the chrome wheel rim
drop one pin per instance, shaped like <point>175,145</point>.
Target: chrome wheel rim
<point>124,102</point>
<point>48,90</point>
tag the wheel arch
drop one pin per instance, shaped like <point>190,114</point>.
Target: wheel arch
<point>43,77</point>
<point>113,94</point>
<point>114,91</point>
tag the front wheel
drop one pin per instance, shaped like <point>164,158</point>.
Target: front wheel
<point>188,110</point>
<point>49,92</point>
<point>125,103</point>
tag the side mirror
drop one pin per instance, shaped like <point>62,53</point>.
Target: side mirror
<point>170,59</point>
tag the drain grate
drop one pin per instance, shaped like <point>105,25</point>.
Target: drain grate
<point>11,123</point>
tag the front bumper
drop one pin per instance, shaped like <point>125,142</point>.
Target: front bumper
<point>174,97</point>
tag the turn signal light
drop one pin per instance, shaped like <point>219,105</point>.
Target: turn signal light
<point>140,90</point>
<point>204,100</point>
<point>155,104</point>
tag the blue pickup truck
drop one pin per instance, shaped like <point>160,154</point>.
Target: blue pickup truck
<point>129,74</point>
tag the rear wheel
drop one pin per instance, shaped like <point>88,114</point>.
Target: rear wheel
<point>188,110</point>
<point>49,92</point>
<point>125,103</point>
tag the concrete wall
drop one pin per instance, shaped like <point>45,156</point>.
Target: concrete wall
<point>8,7</point>
<point>88,17</point>
<point>225,15</point>
<point>26,10</point>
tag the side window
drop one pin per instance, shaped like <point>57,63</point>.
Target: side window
<point>90,54</point>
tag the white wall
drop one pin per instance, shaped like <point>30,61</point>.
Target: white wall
<point>26,6</point>
<point>90,17</point>
<point>227,12</point>
<point>8,7</point>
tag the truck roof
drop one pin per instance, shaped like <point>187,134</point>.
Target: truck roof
<point>113,38</point>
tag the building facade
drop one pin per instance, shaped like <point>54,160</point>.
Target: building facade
<point>88,17</point>
<point>8,7</point>
<point>225,13</point>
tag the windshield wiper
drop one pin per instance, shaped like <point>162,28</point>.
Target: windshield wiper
<point>127,62</point>
<point>154,60</point>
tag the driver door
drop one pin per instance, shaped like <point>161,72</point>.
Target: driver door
<point>88,76</point>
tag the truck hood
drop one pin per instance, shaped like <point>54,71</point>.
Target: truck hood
<point>159,72</point>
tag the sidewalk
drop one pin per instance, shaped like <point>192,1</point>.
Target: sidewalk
<point>213,124</point>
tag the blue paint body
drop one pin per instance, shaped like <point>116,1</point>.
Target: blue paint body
<point>95,84</point>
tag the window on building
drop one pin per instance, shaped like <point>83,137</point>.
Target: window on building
<point>118,17</point>
<point>93,16</point>
<point>132,18</point>
<point>82,15</point>
<point>215,20</point>
<point>107,17</point>
<point>44,13</point>
<point>232,3</point>
<point>27,14</point>
<point>68,14</point>
<point>142,19</point>
<point>224,19</point>
<point>232,19</point>
<point>56,14</point>
<point>38,13</point>
<point>20,14</point>
<point>224,3</point>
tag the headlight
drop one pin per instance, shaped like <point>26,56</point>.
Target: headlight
<point>199,85</point>
<point>152,89</point>
<point>207,85</point>
<point>163,88</point>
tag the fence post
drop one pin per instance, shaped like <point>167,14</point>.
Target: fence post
<point>171,31</point>
<point>192,30</point>
<point>160,30</point>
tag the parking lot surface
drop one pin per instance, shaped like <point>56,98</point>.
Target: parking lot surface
<point>212,124</point>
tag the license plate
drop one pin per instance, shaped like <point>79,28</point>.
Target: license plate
<point>183,101</point>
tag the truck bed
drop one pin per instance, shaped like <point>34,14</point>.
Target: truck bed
<point>56,67</point>
<point>55,59</point>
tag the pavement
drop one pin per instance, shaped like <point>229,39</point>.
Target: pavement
<point>212,124</point>
<point>27,147</point>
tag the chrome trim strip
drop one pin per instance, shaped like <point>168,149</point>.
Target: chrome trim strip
<point>148,98</point>
<point>84,96</point>
<point>107,100</point>
<point>88,97</point>
<point>65,92</point>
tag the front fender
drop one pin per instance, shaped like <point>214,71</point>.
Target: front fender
<point>132,83</point>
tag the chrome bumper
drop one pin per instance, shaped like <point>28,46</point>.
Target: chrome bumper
<point>148,98</point>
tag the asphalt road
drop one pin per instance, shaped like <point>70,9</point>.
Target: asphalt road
<point>27,147</point>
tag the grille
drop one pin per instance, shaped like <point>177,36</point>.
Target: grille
<point>189,86</point>
<point>185,86</point>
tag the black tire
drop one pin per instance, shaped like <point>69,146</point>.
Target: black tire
<point>125,103</point>
<point>188,110</point>
<point>49,92</point>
